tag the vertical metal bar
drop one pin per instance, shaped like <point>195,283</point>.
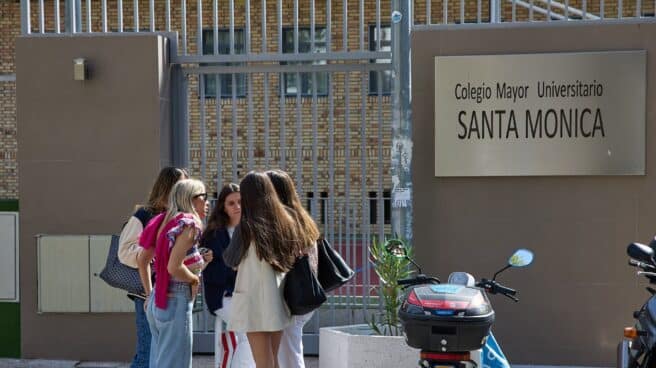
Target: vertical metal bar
<point>566,9</point>
<point>380,215</point>
<point>203,136</point>
<point>478,10</point>
<point>77,5</point>
<point>135,9</point>
<point>219,134</point>
<point>296,26</point>
<point>69,16</point>
<point>312,28</point>
<point>401,126</point>
<point>363,190</point>
<point>283,122</point>
<point>345,25</point>
<point>185,123</point>
<point>329,27</point>
<point>42,17</point>
<point>280,50</point>
<point>251,130</point>
<point>584,9</point>
<point>378,33</point>
<point>331,158</point>
<point>232,32</point>
<point>445,11</point>
<point>299,135</point>
<point>119,14</point>
<point>234,128</point>
<point>428,12</point>
<point>638,8</point>
<point>88,16</point>
<point>103,15</point>
<point>514,10</point>
<point>601,9</point>
<point>152,15</point>
<point>462,11</point>
<point>215,34</point>
<point>530,10</point>
<point>183,20</point>
<point>58,18</point>
<point>620,9</point>
<point>361,30</point>
<point>247,31</point>
<point>267,148</point>
<point>548,10</point>
<point>347,171</point>
<point>168,15</point>
<point>26,17</point>
<point>264,26</point>
<point>199,24</point>
<point>315,144</point>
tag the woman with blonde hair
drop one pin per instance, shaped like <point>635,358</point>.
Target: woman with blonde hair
<point>172,239</point>
<point>129,249</point>
<point>263,248</point>
<point>290,354</point>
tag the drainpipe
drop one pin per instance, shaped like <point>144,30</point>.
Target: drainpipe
<point>402,20</point>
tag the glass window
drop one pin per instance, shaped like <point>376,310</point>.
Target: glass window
<point>385,81</point>
<point>224,49</point>
<point>292,85</point>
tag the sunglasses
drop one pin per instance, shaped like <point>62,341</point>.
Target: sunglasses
<point>201,195</point>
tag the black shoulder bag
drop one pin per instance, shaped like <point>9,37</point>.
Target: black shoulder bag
<point>302,291</point>
<point>333,271</point>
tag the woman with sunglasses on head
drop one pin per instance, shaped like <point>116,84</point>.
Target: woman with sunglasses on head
<point>230,349</point>
<point>263,248</point>
<point>172,239</point>
<point>290,354</point>
<point>129,249</point>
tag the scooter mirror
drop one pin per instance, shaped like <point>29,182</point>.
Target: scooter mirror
<point>521,258</point>
<point>640,252</point>
<point>396,248</point>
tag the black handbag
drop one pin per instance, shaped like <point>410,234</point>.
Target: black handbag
<point>118,275</point>
<point>333,271</point>
<point>302,291</point>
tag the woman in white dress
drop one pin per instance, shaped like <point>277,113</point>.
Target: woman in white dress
<point>263,248</point>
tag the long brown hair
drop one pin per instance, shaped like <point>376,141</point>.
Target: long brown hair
<point>266,223</point>
<point>159,194</point>
<point>219,219</point>
<point>284,185</point>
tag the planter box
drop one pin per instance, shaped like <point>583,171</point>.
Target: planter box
<point>356,346</point>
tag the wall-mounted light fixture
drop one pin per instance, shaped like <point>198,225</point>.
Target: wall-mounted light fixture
<point>80,71</point>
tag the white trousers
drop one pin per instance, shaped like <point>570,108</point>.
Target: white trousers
<point>290,353</point>
<point>231,349</point>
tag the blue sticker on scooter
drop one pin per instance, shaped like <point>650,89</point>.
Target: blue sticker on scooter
<point>446,289</point>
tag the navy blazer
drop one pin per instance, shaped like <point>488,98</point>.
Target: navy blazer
<point>218,279</point>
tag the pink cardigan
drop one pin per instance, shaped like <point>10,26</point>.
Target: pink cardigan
<point>163,245</point>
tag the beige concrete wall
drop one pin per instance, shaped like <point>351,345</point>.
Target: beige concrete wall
<point>579,293</point>
<point>89,152</point>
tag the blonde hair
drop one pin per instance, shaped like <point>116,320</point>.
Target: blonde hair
<point>181,198</point>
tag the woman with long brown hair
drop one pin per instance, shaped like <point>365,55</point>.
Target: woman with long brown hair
<point>290,354</point>
<point>263,249</point>
<point>230,349</point>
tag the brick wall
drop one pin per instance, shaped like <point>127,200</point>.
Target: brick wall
<point>10,29</point>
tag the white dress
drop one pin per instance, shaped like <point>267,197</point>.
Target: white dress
<point>257,302</point>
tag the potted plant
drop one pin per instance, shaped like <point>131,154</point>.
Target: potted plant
<point>379,343</point>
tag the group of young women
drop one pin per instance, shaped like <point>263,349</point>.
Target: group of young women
<point>253,236</point>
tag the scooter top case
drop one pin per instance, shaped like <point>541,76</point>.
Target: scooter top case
<point>446,317</point>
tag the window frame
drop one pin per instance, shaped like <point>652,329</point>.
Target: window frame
<point>305,75</point>
<point>240,78</point>
<point>373,75</point>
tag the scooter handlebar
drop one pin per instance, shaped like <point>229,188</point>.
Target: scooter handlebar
<point>643,265</point>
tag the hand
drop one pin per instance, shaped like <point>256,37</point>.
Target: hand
<point>146,302</point>
<point>208,256</point>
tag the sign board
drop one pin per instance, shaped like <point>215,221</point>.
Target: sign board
<point>540,114</point>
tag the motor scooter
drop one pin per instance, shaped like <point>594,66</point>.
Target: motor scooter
<point>638,347</point>
<point>450,323</point>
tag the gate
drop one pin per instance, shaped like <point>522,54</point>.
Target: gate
<point>308,87</point>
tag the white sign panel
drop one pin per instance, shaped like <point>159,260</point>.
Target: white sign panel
<point>8,256</point>
<point>540,114</point>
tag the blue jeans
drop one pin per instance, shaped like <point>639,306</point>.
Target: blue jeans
<point>142,354</point>
<point>171,329</point>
